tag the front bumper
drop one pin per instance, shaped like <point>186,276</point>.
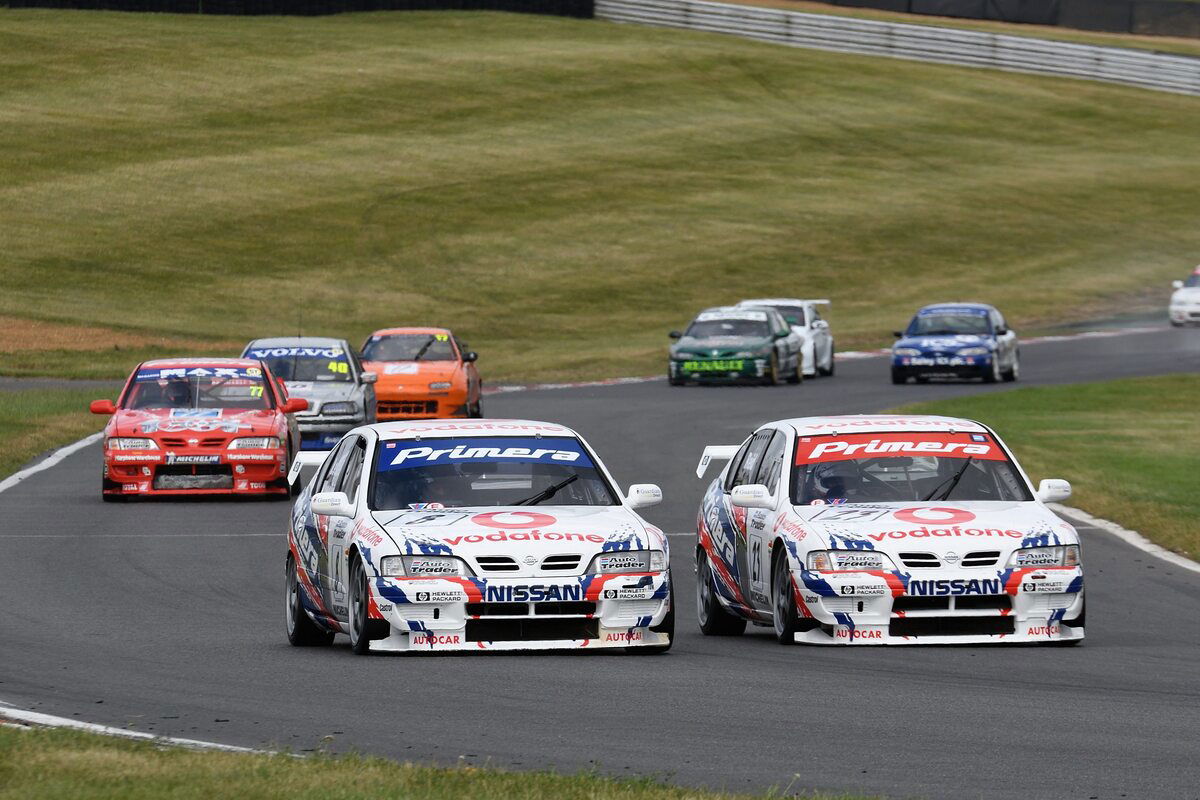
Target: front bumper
<point>969,606</point>
<point>1184,315</point>
<point>942,366</point>
<point>718,370</point>
<point>436,405</point>
<point>592,611</point>
<point>195,471</point>
<point>322,433</point>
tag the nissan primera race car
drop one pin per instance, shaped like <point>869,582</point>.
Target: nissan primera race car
<point>884,530</point>
<point>424,373</point>
<point>199,426</point>
<point>1184,308</point>
<point>456,535</point>
<point>326,373</point>
<point>956,340</point>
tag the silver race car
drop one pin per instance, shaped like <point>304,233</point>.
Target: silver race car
<point>327,373</point>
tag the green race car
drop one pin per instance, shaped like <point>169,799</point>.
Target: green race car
<point>736,345</point>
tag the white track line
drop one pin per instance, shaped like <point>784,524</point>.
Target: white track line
<point>1124,534</point>
<point>10,712</point>
<point>55,457</point>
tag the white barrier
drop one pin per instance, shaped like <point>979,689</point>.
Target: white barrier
<point>1145,69</point>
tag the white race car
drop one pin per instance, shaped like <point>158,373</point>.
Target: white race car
<point>472,535</point>
<point>805,318</point>
<point>1185,301</point>
<point>884,530</point>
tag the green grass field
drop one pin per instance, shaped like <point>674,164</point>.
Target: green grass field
<point>1130,448</point>
<point>561,192</point>
<point>53,764</point>
<point>36,420</point>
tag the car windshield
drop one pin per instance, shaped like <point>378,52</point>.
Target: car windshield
<point>409,347</point>
<point>198,388</point>
<point>903,467</point>
<point>486,471</point>
<point>305,363</point>
<point>958,322</point>
<point>750,324</point>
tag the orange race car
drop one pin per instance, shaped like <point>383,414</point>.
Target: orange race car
<point>423,373</point>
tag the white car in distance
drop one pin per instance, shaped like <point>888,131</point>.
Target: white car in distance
<point>805,318</point>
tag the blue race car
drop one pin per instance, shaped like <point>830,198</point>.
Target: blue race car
<point>956,340</point>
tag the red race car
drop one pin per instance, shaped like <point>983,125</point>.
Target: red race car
<point>186,426</point>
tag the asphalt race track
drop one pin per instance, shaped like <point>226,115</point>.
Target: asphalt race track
<point>168,618</point>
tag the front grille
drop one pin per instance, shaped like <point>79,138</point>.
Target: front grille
<point>905,603</point>
<point>497,609</point>
<point>580,608</point>
<point>496,564</point>
<point>640,608</point>
<point>407,407</point>
<point>208,441</point>
<point>193,476</point>
<point>561,562</point>
<point>982,601</point>
<point>920,560</point>
<point>531,630</point>
<point>950,626</point>
<point>981,558</point>
<point>838,604</point>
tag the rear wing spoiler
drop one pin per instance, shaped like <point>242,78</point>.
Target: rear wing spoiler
<point>715,452</point>
<point>305,458</point>
<point>819,302</point>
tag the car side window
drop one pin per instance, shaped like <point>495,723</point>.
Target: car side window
<point>748,467</point>
<point>782,328</point>
<point>772,462</point>
<point>353,473</point>
<point>813,314</point>
<point>735,462</point>
<point>334,464</point>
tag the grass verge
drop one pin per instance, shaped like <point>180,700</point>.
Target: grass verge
<point>35,420</point>
<point>1131,448</point>
<point>561,192</point>
<point>53,764</point>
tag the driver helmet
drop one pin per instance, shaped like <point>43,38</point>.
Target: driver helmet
<point>834,480</point>
<point>178,392</point>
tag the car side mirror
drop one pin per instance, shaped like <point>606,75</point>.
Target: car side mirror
<point>643,495</point>
<point>1053,490</point>
<point>102,407</point>
<point>751,495</point>
<point>675,335</point>
<point>370,377</point>
<point>1001,331</point>
<point>332,504</point>
<point>897,335</point>
<point>293,405</point>
<point>820,323</point>
<point>1176,284</point>
<point>470,356</point>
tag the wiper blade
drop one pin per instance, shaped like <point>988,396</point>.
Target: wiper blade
<point>548,492</point>
<point>953,480</point>
<point>424,347</point>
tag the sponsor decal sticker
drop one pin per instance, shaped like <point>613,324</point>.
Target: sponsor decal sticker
<point>532,594</point>
<point>513,519</point>
<point>486,450</point>
<point>625,636</point>
<point>856,633</point>
<point>934,516</point>
<point>955,586</point>
<point>434,639</point>
<point>821,449</point>
<point>172,458</point>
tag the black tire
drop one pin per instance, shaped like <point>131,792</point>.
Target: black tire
<point>827,371</point>
<point>772,377</point>
<point>921,379</point>
<point>714,619</point>
<point>362,630</point>
<point>898,377</point>
<point>1175,324</point>
<point>667,626</point>
<point>476,411</point>
<point>993,374</point>
<point>1012,373</point>
<point>798,375</point>
<point>783,606</point>
<point>301,630</point>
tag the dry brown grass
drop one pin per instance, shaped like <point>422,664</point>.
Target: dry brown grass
<point>22,335</point>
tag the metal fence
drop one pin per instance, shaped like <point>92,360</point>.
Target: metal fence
<point>1146,69</point>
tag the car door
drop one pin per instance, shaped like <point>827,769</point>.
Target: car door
<point>340,528</point>
<point>1006,340</point>
<point>787,343</point>
<point>822,337</point>
<point>736,518</point>
<point>366,391</point>
<point>761,521</point>
<point>317,526</point>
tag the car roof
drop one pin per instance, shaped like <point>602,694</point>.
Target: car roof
<point>201,362</point>
<point>782,301</point>
<point>734,309</point>
<point>443,428</point>
<point>879,423</point>
<point>297,341</point>
<point>388,331</point>
<point>948,306</point>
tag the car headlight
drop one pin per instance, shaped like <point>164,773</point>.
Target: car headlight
<point>1061,556</point>
<point>905,351</point>
<point>848,560</point>
<point>339,408</point>
<point>255,443</point>
<point>440,385</point>
<point>423,566</point>
<point>129,443</point>
<point>974,351</point>
<point>628,561</point>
